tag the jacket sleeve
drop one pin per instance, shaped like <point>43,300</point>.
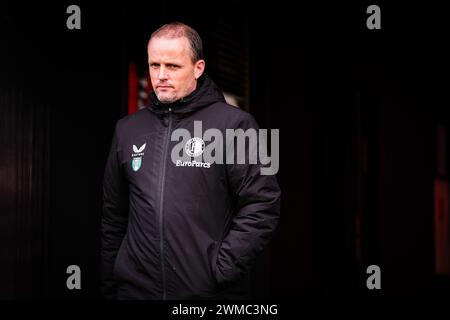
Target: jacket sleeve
<point>114,218</point>
<point>257,201</point>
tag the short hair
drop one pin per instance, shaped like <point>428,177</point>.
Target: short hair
<point>177,30</point>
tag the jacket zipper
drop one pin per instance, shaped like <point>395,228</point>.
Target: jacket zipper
<point>161,204</point>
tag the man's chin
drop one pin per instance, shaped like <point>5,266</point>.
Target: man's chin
<point>166,100</point>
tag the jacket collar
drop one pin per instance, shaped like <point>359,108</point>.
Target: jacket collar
<point>204,95</point>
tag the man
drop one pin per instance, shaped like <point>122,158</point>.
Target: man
<point>172,231</point>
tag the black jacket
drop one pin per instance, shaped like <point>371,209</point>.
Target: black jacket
<point>181,232</point>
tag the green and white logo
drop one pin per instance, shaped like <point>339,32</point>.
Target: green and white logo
<point>136,160</point>
<point>136,163</point>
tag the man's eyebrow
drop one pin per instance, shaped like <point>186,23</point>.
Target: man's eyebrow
<point>166,63</point>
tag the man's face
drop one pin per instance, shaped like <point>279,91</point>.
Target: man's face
<point>172,72</point>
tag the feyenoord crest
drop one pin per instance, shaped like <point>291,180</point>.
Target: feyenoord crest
<point>136,163</point>
<point>194,147</point>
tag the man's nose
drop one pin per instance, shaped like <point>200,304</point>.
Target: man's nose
<point>162,73</point>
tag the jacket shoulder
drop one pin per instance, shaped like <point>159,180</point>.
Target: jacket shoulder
<point>134,125</point>
<point>233,115</point>
<point>134,118</point>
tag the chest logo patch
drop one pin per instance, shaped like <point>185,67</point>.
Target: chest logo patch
<point>136,161</point>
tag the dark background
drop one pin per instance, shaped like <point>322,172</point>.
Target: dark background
<point>358,111</point>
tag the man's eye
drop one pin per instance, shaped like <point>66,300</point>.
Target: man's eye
<point>154,66</point>
<point>172,66</point>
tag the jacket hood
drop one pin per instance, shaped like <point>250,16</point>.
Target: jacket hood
<point>206,93</point>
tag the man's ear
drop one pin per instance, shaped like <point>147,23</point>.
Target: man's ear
<point>199,67</point>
